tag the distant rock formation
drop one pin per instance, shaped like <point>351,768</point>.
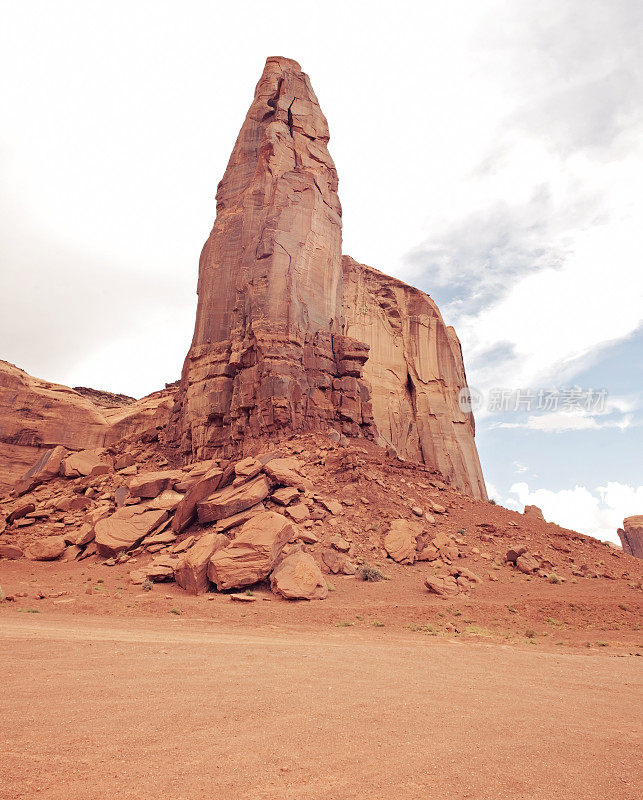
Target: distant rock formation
<point>631,535</point>
<point>36,415</point>
<point>284,325</point>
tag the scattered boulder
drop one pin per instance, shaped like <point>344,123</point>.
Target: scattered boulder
<point>168,500</point>
<point>400,541</point>
<point>46,468</point>
<point>287,472</point>
<point>534,512</point>
<point>297,577</point>
<point>333,506</point>
<point>48,548</point>
<point>338,563</point>
<point>191,570</point>
<point>298,512</point>
<point>19,512</point>
<point>11,552</point>
<point>340,544</point>
<point>82,463</point>
<point>151,484</point>
<point>514,553</point>
<point>527,563</point>
<point>446,547</point>
<point>238,519</point>
<point>126,528</point>
<point>285,496</point>
<point>442,585</point>
<point>233,499</point>
<point>204,486</point>
<point>251,556</point>
<point>248,468</point>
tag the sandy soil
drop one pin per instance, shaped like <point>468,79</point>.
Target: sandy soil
<point>96,707</point>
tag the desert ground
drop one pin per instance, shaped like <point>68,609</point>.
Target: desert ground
<point>186,707</point>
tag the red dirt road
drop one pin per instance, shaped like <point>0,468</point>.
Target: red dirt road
<point>125,708</point>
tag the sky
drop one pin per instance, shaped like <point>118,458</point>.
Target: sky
<point>490,153</point>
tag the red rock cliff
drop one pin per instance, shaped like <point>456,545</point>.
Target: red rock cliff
<point>416,372</point>
<point>268,353</point>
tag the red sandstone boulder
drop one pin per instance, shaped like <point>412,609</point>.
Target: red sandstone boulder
<point>126,528</point>
<point>252,555</point>
<point>534,512</point>
<point>191,570</point>
<point>151,484</point>
<point>47,549</point>
<point>10,551</point>
<point>400,541</point>
<point>83,463</point>
<point>287,472</point>
<point>233,499</point>
<point>46,468</point>
<point>204,486</point>
<point>297,577</point>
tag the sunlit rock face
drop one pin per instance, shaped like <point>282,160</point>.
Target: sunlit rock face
<point>290,337</point>
<point>416,372</point>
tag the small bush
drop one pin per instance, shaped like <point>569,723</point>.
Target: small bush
<point>344,624</point>
<point>2,595</point>
<point>369,573</point>
<point>147,585</point>
<point>377,624</point>
<point>175,611</point>
<point>492,502</point>
<point>553,578</point>
<point>530,634</point>
<point>249,593</point>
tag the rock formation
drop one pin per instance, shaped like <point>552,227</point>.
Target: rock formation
<point>631,535</point>
<point>416,372</point>
<point>36,415</point>
<point>284,325</point>
<point>268,353</point>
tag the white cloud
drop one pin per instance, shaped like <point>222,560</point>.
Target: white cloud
<point>595,512</point>
<point>616,413</point>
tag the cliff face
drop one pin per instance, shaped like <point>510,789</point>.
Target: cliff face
<point>36,415</point>
<point>416,372</point>
<point>268,353</point>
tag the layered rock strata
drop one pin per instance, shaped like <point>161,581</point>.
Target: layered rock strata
<point>269,354</point>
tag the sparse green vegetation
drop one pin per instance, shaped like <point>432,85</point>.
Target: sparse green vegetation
<point>175,611</point>
<point>369,573</point>
<point>479,630</point>
<point>492,502</point>
<point>249,593</point>
<point>30,610</point>
<point>428,628</point>
<point>553,578</point>
<point>147,585</point>
<point>602,644</point>
<point>3,596</point>
<point>555,622</point>
<point>530,633</point>
<point>344,624</point>
<point>330,586</point>
<point>377,624</point>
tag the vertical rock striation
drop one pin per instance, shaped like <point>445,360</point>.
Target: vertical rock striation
<point>284,326</point>
<point>268,352</point>
<point>416,372</point>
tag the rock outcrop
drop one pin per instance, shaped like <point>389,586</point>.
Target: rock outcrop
<point>287,331</point>
<point>269,354</point>
<point>37,415</point>
<point>631,535</point>
<point>416,373</point>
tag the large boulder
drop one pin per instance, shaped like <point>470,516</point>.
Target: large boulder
<point>83,463</point>
<point>400,541</point>
<point>297,577</point>
<point>534,512</point>
<point>124,529</point>
<point>632,535</point>
<point>287,472</point>
<point>10,551</point>
<point>204,487</point>
<point>151,484</point>
<point>46,468</point>
<point>252,555</point>
<point>191,571</point>
<point>47,549</point>
<point>233,499</point>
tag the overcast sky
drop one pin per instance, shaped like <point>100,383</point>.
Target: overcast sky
<point>489,152</point>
